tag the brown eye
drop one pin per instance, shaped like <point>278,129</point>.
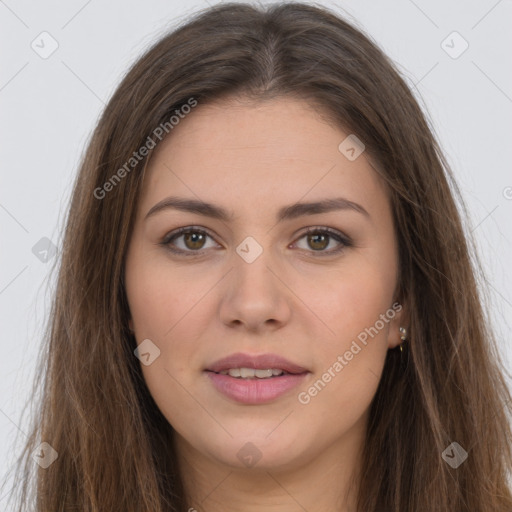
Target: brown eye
<point>194,240</point>
<point>318,242</point>
<point>324,241</point>
<point>188,241</point>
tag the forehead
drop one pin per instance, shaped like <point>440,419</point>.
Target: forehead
<point>248,154</point>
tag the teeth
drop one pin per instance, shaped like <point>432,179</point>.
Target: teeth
<point>251,373</point>
<point>262,374</point>
<point>245,373</point>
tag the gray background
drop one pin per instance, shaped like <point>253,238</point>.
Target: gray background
<point>50,105</point>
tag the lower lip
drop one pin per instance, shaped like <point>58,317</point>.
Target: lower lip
<point>255,391</point>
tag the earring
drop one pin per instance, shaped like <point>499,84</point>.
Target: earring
<point>403,336</point>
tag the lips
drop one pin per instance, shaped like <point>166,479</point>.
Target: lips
<point>257,362</point>
<point>255,391</point>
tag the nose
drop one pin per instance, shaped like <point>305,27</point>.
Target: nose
<point>255,296</point>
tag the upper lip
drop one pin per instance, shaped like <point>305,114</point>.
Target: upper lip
<point>258,362</point>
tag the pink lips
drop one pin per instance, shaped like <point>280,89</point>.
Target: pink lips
<point>255,391</point>
<point>261,361</point>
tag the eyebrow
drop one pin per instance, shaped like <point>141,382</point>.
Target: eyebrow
<point>285,213</point>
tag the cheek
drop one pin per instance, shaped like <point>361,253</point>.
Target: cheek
<point>357,309</point>
<point>160,301</point>
<point>167,306</point>
<point>351,300</point>
<point>160,295</point>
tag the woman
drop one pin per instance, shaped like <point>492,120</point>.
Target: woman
<point>266,299</point>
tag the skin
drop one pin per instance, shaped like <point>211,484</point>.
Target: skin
<point>252,159</point>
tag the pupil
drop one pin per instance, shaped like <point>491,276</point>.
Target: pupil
<point>194,238</point>
<point>315,240</point>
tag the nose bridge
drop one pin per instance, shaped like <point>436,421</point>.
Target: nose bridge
<point>255,275</point>
<point>251,273</point>
<point>255,295</point>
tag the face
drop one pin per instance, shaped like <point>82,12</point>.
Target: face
<point>267,284</point>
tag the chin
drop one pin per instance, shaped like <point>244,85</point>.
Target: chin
<point>262,452</point>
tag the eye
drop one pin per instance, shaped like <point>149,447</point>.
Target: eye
<point>319,238</point>
<point>192,240</point>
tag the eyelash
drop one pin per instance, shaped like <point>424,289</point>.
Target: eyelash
<point>343,240</point>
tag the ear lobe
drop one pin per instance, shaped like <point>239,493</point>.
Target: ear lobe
<point>400,320</point>
<point>130,324</point>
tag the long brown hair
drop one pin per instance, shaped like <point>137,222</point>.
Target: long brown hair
<point>115,449</point>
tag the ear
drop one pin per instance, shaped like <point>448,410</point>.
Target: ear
<point>130,324</point>
<point>399,319</point>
